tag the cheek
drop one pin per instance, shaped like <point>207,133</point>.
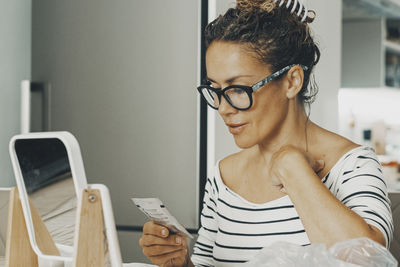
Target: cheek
<point>268,112</point>
<point>270,98</point>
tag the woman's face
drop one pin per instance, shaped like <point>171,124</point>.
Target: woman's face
<point>230,64</point>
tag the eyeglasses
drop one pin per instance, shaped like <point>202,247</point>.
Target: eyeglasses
<point>238,96</point>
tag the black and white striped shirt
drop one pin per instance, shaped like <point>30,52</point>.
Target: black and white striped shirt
<point>234,229</point>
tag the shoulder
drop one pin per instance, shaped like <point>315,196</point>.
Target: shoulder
<point>350,153</point>
<point>231,166</point>
<point>357,168</point>
<point>332,148</point>
<point>361,158</point>
<point>338,144</point>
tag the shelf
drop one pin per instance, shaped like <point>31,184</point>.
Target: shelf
<point>392,46</point>
<point>367,9</point>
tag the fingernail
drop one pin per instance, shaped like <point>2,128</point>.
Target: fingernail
<point>321,162</point>
<point>164,232</point>
<point>178,239</point>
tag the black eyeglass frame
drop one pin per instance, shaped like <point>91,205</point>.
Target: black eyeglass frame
<point>248,89</point>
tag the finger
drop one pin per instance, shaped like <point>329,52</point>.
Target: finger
<point>159,250</point>
<point>151,240</point>
<point>180,261</point>
<point>177,258</point>
<point>316,165</point>
<point>184,240</point>
<point>168,264</point>
<point>155,229</point>
<point>319,165</point>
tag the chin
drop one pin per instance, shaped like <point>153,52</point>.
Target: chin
<point>243,142</point>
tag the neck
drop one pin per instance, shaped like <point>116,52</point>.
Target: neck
<point>294,129</point>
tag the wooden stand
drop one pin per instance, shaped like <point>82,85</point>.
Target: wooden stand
<point>18,248</point>
<point>89,248</point>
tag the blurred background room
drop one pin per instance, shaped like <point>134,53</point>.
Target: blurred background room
<point>121,76</point>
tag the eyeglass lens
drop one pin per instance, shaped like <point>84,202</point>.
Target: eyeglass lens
<point>237,97</point>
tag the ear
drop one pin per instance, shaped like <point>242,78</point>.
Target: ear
<point>295,78</point>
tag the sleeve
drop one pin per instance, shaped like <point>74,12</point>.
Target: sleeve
<point>203,248</point>
<point>363,189</point>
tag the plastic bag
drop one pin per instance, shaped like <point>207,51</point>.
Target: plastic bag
<point>349,253</point>
<point>364,252</point>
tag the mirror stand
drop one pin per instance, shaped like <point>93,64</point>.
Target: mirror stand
<point>89,247</point>
<point>18,248</point>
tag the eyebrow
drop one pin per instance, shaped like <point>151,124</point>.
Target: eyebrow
<point>230,80</point>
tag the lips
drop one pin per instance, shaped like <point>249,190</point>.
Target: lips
<point>236,128</point>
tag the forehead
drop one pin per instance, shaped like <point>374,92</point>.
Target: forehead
<point>226,59</point>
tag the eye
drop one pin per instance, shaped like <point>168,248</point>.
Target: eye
<point>237,91</point>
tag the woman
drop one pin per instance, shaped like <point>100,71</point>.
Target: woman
<point>293,180</point>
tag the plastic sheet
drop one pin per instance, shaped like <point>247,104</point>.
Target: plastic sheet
<point>349,253</point>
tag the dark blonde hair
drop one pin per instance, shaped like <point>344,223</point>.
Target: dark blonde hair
<point>275,35</point>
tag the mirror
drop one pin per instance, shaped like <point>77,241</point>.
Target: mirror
<point>46,173</point>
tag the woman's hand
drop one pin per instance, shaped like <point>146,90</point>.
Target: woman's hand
<point>289,161</point>
<point>162,247</point>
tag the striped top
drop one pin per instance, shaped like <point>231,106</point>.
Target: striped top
<point>234,229</point>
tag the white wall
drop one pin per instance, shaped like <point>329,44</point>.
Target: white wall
<point>327,32</point>
<point>327,29</point>
<point>123,78</point>
<point>15,65</point>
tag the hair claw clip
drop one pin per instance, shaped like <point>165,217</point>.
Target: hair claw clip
<point>295,4</point>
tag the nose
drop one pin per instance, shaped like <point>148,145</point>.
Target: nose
<point>225,108</point>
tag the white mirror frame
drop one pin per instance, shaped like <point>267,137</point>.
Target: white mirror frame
<point>78,174</point>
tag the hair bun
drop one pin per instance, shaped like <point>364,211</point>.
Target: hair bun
<point>295,6</point>
<point>266,5</point>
